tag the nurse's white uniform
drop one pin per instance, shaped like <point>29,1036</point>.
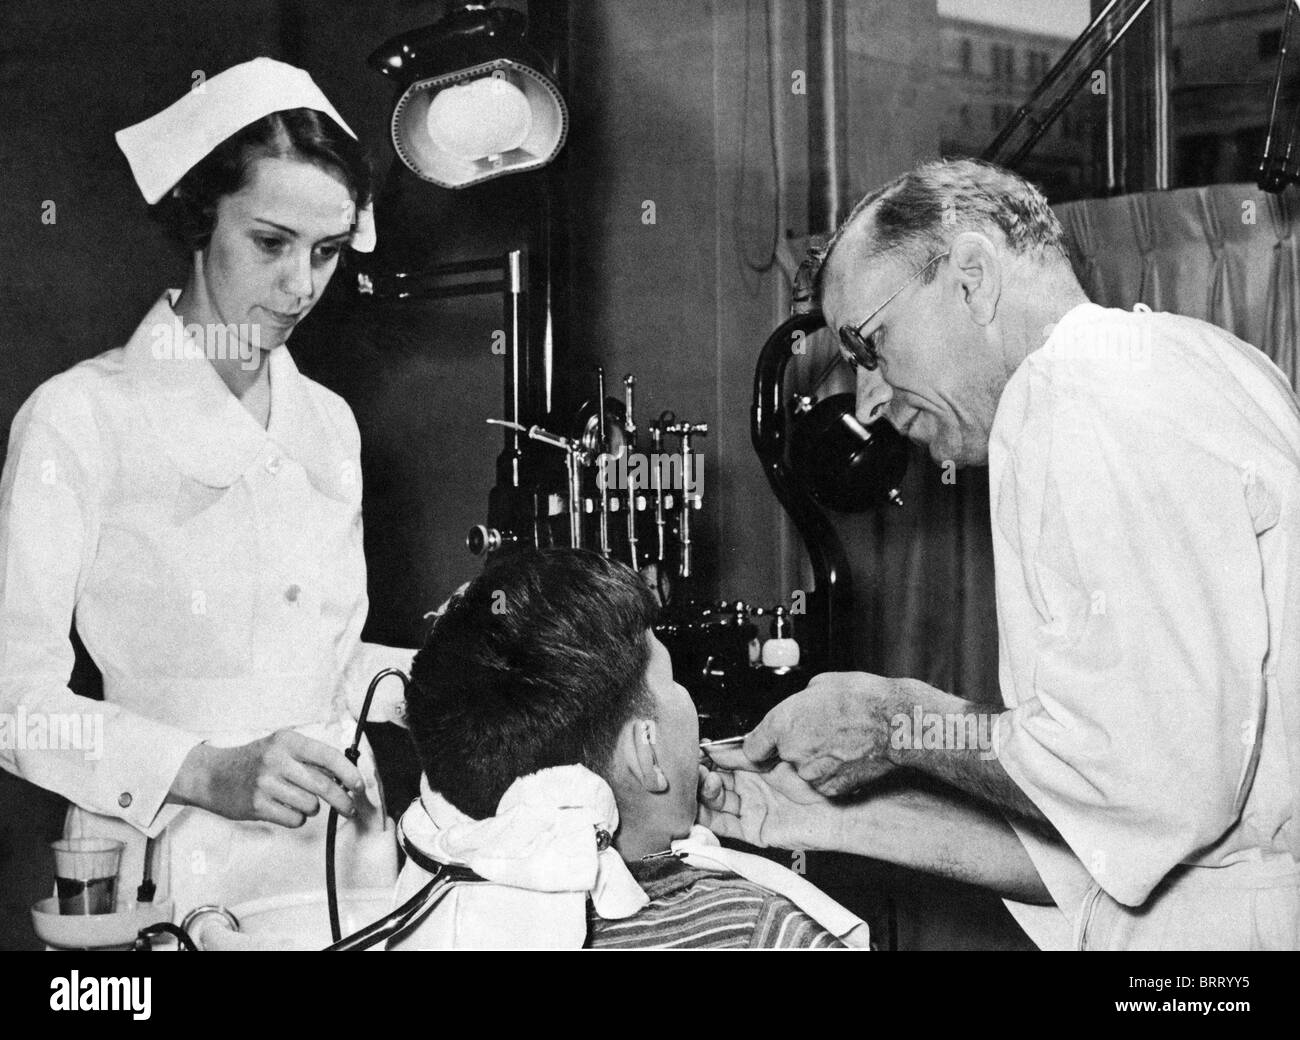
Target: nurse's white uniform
<point>216,573</point>
<point>1145,480</point>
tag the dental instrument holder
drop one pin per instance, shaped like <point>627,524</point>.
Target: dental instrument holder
<point>602,446</point>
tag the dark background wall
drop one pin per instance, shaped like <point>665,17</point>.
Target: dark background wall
<point>685,104</point>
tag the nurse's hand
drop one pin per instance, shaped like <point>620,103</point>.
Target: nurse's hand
<point>836,732</point>
<point>280,779</point>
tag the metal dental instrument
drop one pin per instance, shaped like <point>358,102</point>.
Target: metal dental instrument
<point>629,444</point>
<point>725,742</point>
<point>602,453</point>
<point>690,495</point>
<point>657,484</point>
<point>708,746</point>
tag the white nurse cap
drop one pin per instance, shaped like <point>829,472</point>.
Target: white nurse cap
<point>166,146</point>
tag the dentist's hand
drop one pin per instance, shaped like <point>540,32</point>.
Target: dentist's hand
<point>836,732</point>
<point>711,791</point>
<point>773,808</point>
<point>281,779</point>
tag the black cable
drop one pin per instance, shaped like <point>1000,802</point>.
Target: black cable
<point>444,876</point>
<point>145,892</point>
<point>331,883</point>
<point>142,943</point>
<point>372,933</point>
<point>353,755</point>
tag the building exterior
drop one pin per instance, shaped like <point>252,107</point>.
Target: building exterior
<point>1223,61</point>
<point>987,72</point>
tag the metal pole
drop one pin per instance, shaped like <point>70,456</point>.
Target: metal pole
<point>516,318</point>
<point>1162,31</point>
<point>1112,164</point>
<point>828,180</point>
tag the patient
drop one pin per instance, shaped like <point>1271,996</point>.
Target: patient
<point>548,660</point>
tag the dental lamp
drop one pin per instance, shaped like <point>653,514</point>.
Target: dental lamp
<point>476,102</point>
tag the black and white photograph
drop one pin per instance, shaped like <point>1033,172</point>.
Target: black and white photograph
<point>541,475</point>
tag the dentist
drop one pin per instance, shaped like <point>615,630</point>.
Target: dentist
<point>1141,788</point>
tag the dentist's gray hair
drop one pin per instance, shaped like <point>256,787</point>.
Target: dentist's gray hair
<point>920,212</point>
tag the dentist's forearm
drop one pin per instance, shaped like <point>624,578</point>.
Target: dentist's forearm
<point>971,768</point>
<point>943,835</point>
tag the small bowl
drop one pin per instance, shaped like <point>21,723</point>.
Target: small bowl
<point>96,931</point>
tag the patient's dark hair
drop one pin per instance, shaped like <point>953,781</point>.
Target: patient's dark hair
<point>538,663</point>
<point>189,211</point>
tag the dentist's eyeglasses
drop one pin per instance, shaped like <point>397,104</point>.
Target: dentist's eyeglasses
<point>860,352</point>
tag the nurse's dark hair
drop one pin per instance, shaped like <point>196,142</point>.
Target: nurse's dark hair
<point>189,211</point>
<point>919,214</point>
<point>539,662</point>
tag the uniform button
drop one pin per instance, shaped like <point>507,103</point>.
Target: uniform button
<point>273,465</point>
<point>292,593</point>
<point>124,800</point>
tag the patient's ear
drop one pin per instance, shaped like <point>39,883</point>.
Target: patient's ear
<point>643,757</point>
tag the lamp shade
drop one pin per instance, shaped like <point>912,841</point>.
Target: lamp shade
<point>474,124</point>
<point>475,102</point>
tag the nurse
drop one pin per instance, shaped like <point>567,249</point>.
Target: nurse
<point>193,504</point>
<point>1140,789</point>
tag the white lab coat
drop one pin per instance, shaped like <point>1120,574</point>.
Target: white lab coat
<point>1145,487</point>
<point>217,577</point>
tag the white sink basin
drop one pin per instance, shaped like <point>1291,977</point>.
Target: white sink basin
<point>298,921</point>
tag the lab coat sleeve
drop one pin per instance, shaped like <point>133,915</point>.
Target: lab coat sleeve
<point>95,754</point>
<point>1151,631</point>
<point>359,661</point>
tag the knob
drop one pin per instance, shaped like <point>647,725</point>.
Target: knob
<point>483,539</point>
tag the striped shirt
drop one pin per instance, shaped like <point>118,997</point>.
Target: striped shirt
<point>692,909</point>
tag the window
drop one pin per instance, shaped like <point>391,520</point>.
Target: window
<point>999,61</point>
<point>994,67</point>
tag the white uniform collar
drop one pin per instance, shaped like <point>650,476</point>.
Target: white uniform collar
<point>209,435</point>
